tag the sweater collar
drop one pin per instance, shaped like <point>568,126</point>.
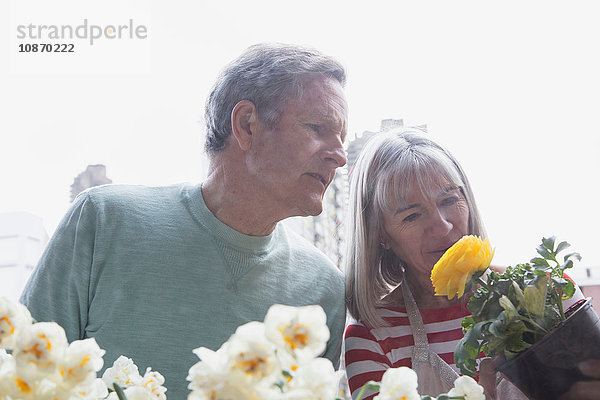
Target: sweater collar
<point>203,216</point>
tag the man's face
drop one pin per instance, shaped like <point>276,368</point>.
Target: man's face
<point>293,163</point>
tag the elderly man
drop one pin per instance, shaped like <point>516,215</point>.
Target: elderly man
<point>153,273</point>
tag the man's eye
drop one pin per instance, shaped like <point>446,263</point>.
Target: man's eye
<point>314,127</point>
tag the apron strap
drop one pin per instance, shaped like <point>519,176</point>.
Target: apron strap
<point>421,351</point>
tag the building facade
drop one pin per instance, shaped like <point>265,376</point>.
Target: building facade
<point>22,241</point>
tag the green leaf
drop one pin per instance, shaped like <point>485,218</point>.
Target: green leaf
<point>548,243</point>
<point>519,294</point>
<point>467,350</point>
<point>515,343</point>
<point>496,328</point>
<point>542,251</point>
<point>576,256</point>
<point>561,246</point>
<point>565,286</point>
<point>509,308</point>
<point>538,261</point>
<point>477,303</point>
<point>535,296</point>
<point>567,265</point>
<point>467,323</point>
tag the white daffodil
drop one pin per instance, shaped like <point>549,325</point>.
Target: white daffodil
<point>83,358</point>
<point>152,382</point>
<point>13,318</point>
<point>123,372</point>
<point>314,380</point>
<point>467,387</point>
<point>39,348</point>
<point>210,371</point>
<point>251,357</point>
<point>398,383</point>
<point>299,331</point>
<point>226,391</point>
<point>93,390</point>
<point>14,387</point>
<point>7,362</point>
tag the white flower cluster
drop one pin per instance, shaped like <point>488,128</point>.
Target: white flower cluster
<point>401,383</point>
<point>274,359</point>
<point>136,387</point>
<point>42,365</point>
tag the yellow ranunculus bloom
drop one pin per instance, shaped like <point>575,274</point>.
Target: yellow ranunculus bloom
<point>459,263</point>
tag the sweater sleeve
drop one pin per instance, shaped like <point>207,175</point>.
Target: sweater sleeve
<point>364,357</point>
<point>336,320</point>
<point>58,289</point>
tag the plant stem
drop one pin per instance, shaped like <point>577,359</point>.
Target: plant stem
<point>560,305</point>
<point>369,385</point>
<point>483,283</point>
<point>119,391</point>
<point>532,322</point>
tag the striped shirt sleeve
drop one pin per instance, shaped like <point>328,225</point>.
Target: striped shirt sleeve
<point>364,357</point>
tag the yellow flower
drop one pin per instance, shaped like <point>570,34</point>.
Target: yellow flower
<point>459,263</point>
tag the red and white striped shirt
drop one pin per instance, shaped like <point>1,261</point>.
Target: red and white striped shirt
<point>369,352</point>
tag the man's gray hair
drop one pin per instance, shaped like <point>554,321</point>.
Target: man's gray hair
<point>268,75</point>
<point>390,167</point>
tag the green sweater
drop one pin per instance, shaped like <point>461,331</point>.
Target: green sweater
<point>151,273</point>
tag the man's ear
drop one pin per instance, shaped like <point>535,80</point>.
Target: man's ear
<point>244,121</point>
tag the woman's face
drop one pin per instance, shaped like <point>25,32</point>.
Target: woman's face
<point>420,229</point>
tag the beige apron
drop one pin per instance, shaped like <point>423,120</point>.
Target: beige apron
<point>435,376</point>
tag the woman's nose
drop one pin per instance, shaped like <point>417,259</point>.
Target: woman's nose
<point>440,224</point>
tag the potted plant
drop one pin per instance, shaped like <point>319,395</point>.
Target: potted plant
<point>519,315</point>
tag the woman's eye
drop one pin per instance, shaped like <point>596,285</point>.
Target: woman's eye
<point>448,201</point>
<point>410,218</point>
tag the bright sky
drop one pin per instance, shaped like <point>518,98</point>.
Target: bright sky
<point>512,88</point>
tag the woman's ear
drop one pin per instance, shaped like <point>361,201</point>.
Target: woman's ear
<point>244,122</point>
<point>384,245</point>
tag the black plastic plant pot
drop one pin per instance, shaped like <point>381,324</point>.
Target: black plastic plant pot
<point>549,368</point>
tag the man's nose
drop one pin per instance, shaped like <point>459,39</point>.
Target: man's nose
<point>335,155</point>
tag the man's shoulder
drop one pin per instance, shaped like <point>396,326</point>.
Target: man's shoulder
<point>129,194</point>
<point>308,258</point>
<point>112,190</point>
<point>304,248</point>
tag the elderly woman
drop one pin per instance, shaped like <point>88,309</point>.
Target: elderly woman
<point>410,201</point>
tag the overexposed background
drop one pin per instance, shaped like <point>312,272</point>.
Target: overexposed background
<point>511,88</point>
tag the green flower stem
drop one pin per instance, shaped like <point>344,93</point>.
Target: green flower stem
<point>119,391</point>
<point>371,385</point>
<point>560,305</point>
<point>532,322</point>
<point>483,283</point>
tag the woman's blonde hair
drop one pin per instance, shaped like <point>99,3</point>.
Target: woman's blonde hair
<point>386,171</point>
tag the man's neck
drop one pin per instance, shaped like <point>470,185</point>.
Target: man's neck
<point>237,204</point>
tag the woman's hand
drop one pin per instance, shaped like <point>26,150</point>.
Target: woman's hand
<point>586,390</point>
